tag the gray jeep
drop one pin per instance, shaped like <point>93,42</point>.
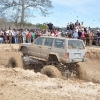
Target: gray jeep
<point>54,56</point>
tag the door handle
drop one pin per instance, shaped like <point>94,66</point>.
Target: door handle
<point>39,47</point>
<point>49,48</point>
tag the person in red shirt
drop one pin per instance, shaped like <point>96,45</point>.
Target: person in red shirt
<point>29,37</point>
<point>56,32</point>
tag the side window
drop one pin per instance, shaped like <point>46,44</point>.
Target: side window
<point>48,42</point>
<point>59,43</point>
<point>39,41</point>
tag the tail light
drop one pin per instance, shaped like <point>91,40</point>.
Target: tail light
<point>84,55</point>
<point>67,55</point>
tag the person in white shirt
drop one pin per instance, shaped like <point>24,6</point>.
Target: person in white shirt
<point>52,33</point>
<point>14,34</point>
<point>1,36</point>
<point>24,36</point>
<point>59,34</point>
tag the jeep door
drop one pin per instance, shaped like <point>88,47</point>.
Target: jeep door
<point>47,47</point>
<point>35,49</point>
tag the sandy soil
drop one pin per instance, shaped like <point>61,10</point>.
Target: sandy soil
<point>20,84</point>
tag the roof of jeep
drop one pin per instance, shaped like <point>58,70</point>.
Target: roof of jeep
<point>59,37</point>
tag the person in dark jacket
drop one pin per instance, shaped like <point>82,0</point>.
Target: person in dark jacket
<point>50,26</point>
<point>98,38</point>
<point>79,34</point>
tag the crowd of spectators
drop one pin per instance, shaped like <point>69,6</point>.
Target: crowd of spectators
<point>75,30</point>
<point>19,35</point>
<point>78,30</point>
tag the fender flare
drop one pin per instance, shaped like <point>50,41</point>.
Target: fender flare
<point>52,53</point>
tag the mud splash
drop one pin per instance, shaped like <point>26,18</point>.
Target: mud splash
<point>92,65</point>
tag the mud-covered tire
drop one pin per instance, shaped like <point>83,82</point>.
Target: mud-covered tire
<point>15,62</point>
<point>24,50</point>
<point>51,71</point>
<point>81,72</point>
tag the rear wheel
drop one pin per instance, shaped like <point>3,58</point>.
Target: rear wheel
<point>24,50</point>
<point>14,62</point>
<point>81,72</point>
<point>51,71</point>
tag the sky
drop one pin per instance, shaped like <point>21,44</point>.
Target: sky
<point>66,11</point>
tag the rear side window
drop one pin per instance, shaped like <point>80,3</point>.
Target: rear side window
<point>59,43</point>
<point>75,44</point>
<point>39,41</point>
<point>48,42</point>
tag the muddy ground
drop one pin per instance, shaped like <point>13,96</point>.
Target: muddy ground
<point>20,84</point>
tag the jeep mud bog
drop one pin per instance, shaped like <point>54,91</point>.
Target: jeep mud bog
<point>53,56</point>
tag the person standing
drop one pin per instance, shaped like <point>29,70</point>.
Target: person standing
<point>91,35</point>
<point>20,37</point>
<point>29,36</point>
<point>71,26</point>
<point>50,26</point>
<point>10,37</point>
<point>75,35</point>
<point>79,34</point>
<point>1,36</point>
<point>24,36</point>
<point>68,27</point>
<point>98,38</point>
<point>15,37</point>
<point>77,24</point>
<point>56,33</point>
<point>33,36</point>
<point>83,37</point>
<point>82,26</point>
<point>87,38</point>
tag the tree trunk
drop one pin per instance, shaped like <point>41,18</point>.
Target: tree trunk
<point>22,15</point>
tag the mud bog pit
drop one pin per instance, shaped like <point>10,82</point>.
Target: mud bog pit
<point>19,84</point>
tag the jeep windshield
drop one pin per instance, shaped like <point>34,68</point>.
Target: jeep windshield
<point>75,44</point>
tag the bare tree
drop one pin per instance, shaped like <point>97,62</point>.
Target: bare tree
<point>20,7</point>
